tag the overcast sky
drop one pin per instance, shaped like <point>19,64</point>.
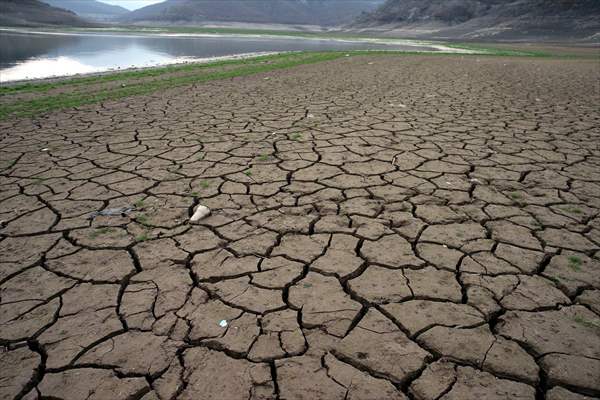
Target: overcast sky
<point>132,4</point>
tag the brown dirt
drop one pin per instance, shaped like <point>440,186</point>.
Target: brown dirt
<point>407,227</point>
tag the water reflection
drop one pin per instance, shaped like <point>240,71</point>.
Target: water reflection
<point>16,47</point>
<point>28,55</point>
<point>45,68</point>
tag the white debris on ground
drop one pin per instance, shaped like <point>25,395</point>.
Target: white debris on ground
<point>200,213</point>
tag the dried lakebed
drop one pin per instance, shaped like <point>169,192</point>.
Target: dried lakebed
<point>382,227</point>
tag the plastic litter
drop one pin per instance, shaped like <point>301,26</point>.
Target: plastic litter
<point>45,149</point>
<point>223,323</point>
<point>201,212</point>
<point>111,212</point>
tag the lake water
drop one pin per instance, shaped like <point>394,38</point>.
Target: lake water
<point>30,54</point>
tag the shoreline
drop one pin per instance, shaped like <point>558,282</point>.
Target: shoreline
<point>112,71</point>
<point>409,46</point>
<point>433,46</point>
<point>35,97</point>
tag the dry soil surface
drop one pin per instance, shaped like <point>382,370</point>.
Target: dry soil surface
<point>382,228</point>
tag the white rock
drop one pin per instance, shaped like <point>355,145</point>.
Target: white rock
<point>201,212</point>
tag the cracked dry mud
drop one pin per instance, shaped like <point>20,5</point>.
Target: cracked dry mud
<point>382,228</point>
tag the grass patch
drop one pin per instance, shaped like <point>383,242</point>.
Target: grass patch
<point>142,219</point>
<point>139,203</point>
<point>263,157</point>
<point>205,184</point>
<point>572,210</point>
<point>100,232</point>
<point>296,136</point>
<point>575,263</point>
<point>516,196</point>
<point>142,237</point>
<point>38,180</point>
<point>9,164</point>
<point>588,323</point>
<point>248,173</point>
<point>496,51</point>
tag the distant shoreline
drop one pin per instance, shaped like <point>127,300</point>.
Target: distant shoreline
<point>30,98</point>
<point>14,77</point>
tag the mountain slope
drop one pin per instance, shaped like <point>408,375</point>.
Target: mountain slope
<point>488,18</point>
<point>89,9</point>
<point>36,13</point>
<point>302,12</point>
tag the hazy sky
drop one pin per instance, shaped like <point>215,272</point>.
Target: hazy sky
<point>132,4</point>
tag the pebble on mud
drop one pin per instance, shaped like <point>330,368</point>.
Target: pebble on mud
<point>201,212</point>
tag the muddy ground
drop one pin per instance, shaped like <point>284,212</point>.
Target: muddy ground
<point>382,227</point>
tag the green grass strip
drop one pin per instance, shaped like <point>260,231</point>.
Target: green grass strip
<point>141,73</point>
<point>66,100</point>
<point>189,74</point>
<point>492,50</point>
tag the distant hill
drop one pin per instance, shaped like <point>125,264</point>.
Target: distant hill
<point>36,13</point>
<point>487,18</point>
<point>90,9</point>
<point>301,12</point>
